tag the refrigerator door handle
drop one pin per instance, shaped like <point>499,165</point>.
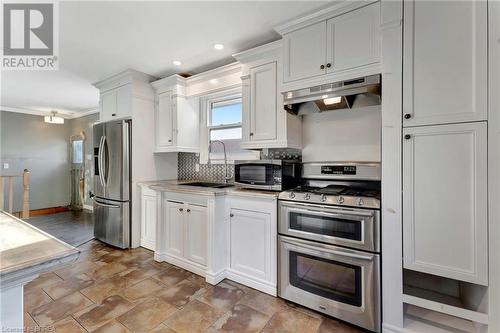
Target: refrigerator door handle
<point>105,162</point>
<point>105,204</point>
<point>99,161</point>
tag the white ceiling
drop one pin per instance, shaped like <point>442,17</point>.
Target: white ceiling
<point>99,39</point>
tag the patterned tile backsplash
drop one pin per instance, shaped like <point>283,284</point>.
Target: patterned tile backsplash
<point>215,172</point>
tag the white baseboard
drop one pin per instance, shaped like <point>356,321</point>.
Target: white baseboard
<point>88,207</point>
<point>182,263</point>
<point>215,278</point>
<point>264,286</point>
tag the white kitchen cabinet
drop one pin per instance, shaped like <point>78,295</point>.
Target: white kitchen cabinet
<point>305,52</point>
<point>164,125</point>
<point>263,98</point>
<point>445,226</point>
<point>195,220</point>
<point>252,249</point>
<point>148,218</point>
<point>341,46</point>
<point>445,62</point>
<point>175,231</point>
<point>176,119</point>
<point>353,39</point>
<point>265,123</point>
<point>116,103</point>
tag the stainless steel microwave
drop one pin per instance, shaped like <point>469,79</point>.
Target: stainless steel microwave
<point>272,175</point>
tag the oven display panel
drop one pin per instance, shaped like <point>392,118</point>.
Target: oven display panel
<point>338,170</point>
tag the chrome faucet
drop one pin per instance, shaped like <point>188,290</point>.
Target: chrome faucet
<point>226,178</point>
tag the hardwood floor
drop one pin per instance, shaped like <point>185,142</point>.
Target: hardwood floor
<point>111,290</point>
<point>73,227</point>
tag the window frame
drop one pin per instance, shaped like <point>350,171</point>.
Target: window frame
<point>206,103</point>
<point>224,102</point>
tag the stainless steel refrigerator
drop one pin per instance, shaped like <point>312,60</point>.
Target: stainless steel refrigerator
<point>112,182</point>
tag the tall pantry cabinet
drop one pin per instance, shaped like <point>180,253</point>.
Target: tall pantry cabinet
<point>445,139</point>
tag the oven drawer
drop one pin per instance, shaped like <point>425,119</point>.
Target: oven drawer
<point>340,282</point>
<point>350,227</point>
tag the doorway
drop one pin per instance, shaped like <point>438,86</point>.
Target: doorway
<point>77,171</point>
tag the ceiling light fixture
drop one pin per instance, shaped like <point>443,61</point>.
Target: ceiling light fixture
<point>218,46</point>
<point>53,119</point>
<point>177,62</point>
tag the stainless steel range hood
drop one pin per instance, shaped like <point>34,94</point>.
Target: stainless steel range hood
<point>348,94</point>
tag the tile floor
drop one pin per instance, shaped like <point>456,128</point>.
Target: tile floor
<point>114,291</point>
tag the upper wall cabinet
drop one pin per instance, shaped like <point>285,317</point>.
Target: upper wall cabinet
<point>341,43</point>
<point>445,62</point>
<point>176,121</point>
<point>117,94</point>
<point>265,122</point>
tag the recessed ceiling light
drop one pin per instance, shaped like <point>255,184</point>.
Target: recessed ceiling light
<point>177,62</point>
<point>218,46</point>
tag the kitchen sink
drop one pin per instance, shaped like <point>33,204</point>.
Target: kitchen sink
<point>208,184</point>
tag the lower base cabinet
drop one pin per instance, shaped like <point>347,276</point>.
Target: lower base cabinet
<point>252,243</point>
<point>148,218</point>
<point>186,226</point>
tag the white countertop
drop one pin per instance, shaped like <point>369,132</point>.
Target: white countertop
<point>24,248</point>
<point>178,186</point>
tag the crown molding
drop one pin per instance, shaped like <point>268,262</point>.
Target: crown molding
<point>215,73</point>
<point>127,76</point>
<point>64,113</point>
<point>339,7</point>
<point>259,51</point>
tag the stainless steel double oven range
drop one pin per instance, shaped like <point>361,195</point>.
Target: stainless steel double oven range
<point>329,242</point>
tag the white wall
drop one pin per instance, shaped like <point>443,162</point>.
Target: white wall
<point>347,135</point>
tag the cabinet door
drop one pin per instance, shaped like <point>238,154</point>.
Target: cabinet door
<point>445,62</point>
<point>445,201</point>
<point>108,105</point>
<point>174,213</point>
<point>124,101</point>
<point>165,120</point>
<point>304,52</point>
<point>148,222</point>
<point>250,248</point>
<point>263,95</point>
<point>353,39</point>
<point>196,234</point>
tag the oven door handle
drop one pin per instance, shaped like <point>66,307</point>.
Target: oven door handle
<point>326,210</point>
<point>327,249</point>
<point>353,217</point>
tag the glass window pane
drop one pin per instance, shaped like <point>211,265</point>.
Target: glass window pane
<point>78,151</point>
<point>226,114</point>
<point>225,134</point>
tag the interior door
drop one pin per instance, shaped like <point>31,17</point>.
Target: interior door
<point>77,171</point>
<point>116,160</point>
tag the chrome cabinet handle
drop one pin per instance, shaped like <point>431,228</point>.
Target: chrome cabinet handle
<point>189,210</point>
<point>231,215</point>
<point>407,115</point>
<point>181,209</point>
<point>407,136</point>
<point>322,67</point>
<point>328,65</point>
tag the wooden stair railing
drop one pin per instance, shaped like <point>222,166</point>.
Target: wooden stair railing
<point>25,213</point>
